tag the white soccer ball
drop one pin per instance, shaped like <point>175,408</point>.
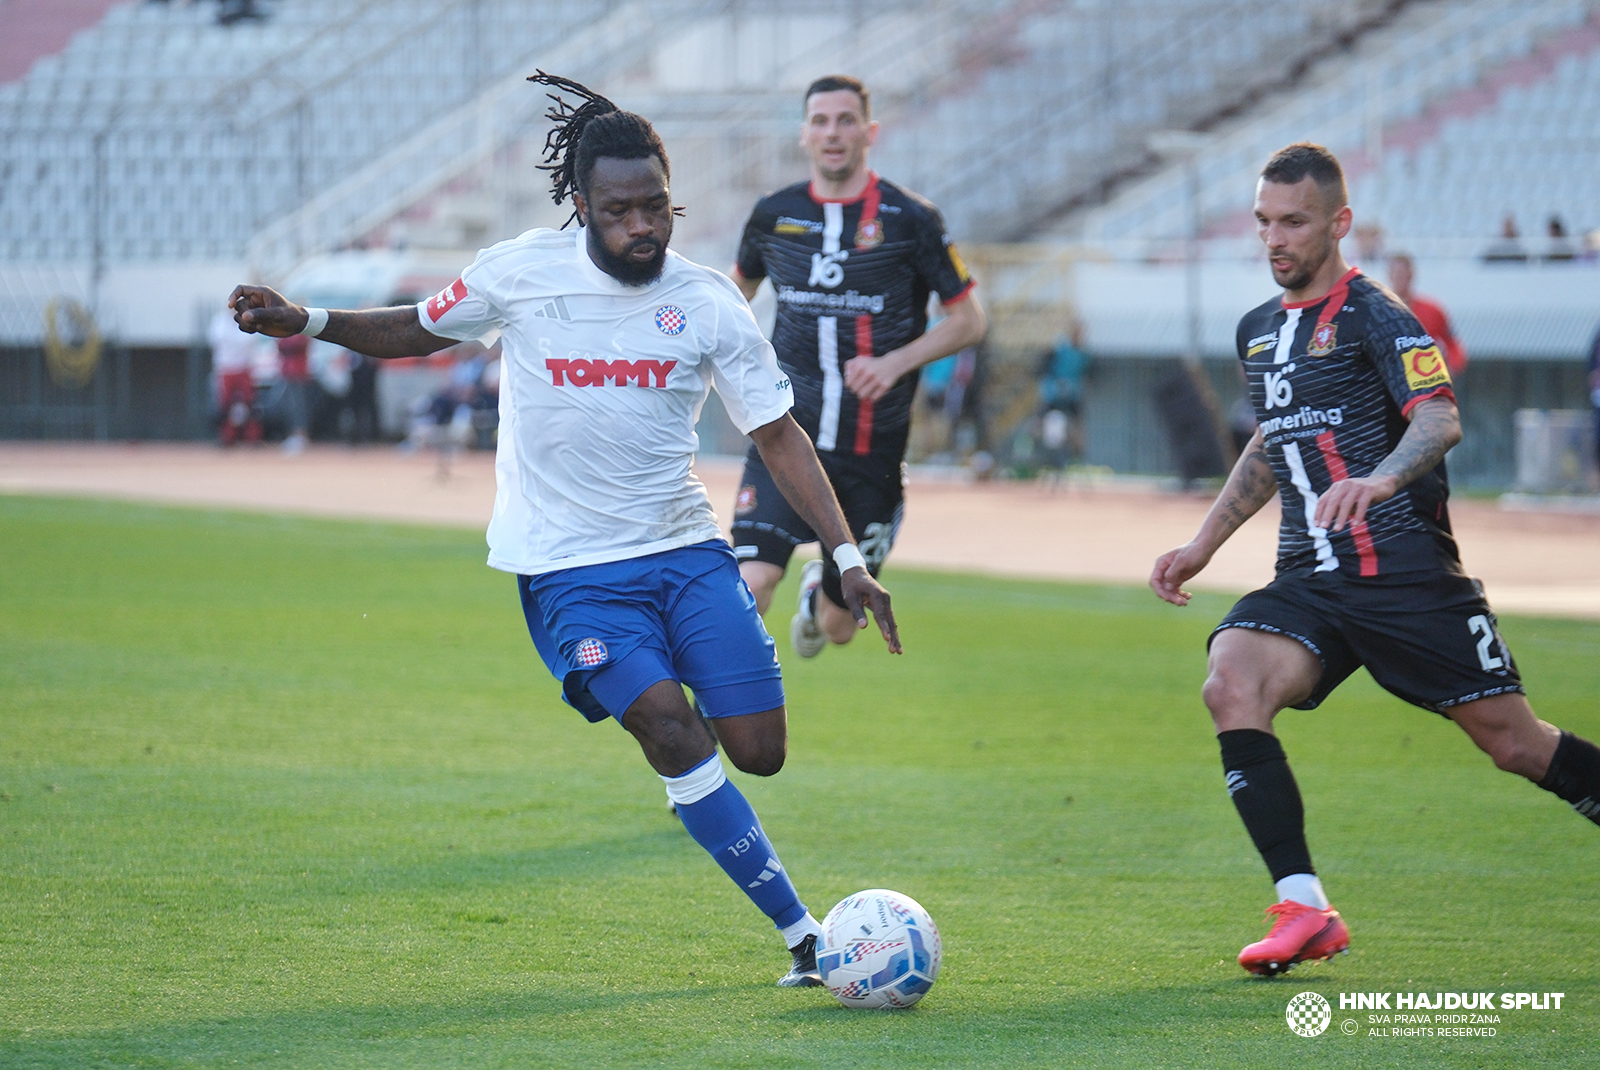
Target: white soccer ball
<point>878,949</point>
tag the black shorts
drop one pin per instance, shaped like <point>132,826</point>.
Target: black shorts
<point>1429,638</point>
<point>871,492</point>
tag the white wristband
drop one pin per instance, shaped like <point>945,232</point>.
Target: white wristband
<point>847,557</point>
<point>316,319</point>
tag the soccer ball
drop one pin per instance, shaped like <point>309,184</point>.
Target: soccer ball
<point>878,949</point>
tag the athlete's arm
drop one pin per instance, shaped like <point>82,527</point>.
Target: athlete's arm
<point>1250,485</point>
<point>792,460</point>
<point>377,332</point>
<point>1435,427</point>
<point>748,287</point>
<point>964,325</point>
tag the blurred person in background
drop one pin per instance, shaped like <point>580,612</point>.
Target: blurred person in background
<point>1431,314</point>
<point>294,368</point>
<point>1508,247</point>
<point>1594,392</point>
<point>1369,242</point>
<point>950,388</point>
<point>1558,246</point>
<point>361,403</point>
<point>1061,371</point>
<point>454,415</point>
<point>233,357</point>
<point>853,260</point>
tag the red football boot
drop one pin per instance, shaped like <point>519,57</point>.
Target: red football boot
<point>1334,939</point>
<point>1300,933</point>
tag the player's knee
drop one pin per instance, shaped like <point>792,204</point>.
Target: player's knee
<point>763,759</point>
<point>1224,694</point>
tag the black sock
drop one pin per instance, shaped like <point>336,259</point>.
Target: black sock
<point>1575,775</point>
<point>1267,798</point>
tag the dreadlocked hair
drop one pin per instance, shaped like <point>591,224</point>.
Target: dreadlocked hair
<point>583,134</point>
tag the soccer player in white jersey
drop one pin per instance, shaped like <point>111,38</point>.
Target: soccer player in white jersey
<point>629,591</point>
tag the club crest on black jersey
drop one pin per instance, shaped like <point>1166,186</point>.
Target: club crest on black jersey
<point>1333,381</point>
<point>852,279</point>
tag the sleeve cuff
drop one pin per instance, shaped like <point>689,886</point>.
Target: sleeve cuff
<point>1441,392</point>
<point>764,419</point>
<point>957,298</point>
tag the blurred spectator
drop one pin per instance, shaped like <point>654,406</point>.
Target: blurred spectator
<point>1560,246</point>
<point>1431,314</point>
<point>1594,391</point>
<point>1508,247</point>
<point>1061,372</point>
<point>232,11</point>
<point>233,354</point>
<point>1369,243</point>
<point>361,402</point>
<point>294,367</point>
<point>465,412</point>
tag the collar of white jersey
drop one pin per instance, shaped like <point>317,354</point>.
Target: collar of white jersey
<point>592,273</point>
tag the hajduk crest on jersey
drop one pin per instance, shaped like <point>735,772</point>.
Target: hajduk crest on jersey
<point>670,319</point>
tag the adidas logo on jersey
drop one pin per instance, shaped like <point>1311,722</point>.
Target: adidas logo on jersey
<point>582,372</point>
<point>554,310</point>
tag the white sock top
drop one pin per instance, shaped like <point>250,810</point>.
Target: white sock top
<point>688,788</point>
<point>1303,888</point>
<point>801,929</point>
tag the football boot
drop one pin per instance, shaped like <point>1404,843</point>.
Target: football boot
<point>805,635</point>
<point>1301,932</point>
<point>803,973</point>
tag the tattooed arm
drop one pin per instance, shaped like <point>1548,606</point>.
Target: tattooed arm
<point>377,332</point>
<point>1435,427</point>
<point>1250,486</point>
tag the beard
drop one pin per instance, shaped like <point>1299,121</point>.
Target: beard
<point>1296,278</point>
<point>1303,268</point>
<point>623,267</point>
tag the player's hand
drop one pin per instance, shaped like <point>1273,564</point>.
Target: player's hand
<point>262,310</point>
<point>1173,569</point>
<point>1348,500</point>
<point>860,591</point>
<point>869,378</point>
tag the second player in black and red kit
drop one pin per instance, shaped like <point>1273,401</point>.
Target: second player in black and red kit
<point>1354,415</point>
<point>853,260</point>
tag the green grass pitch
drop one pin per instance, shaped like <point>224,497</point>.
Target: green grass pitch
<point>292,793</point>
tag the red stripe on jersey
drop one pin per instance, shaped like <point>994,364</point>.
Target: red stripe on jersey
<point>1441,392</point>
<point>870,190</point>
<point>1336,296</point>
<point>1342,288</point>
<point>864,409</point>
<point>871,202</point>
<point>1359,532</point>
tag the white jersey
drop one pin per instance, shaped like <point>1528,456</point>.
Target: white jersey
<point>600,389</point>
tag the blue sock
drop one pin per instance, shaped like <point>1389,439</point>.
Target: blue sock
<point>716,814</point>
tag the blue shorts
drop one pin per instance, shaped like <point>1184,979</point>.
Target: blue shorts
<point>608,632</point>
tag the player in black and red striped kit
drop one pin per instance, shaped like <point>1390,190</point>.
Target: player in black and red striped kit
<point>852,259</point>
<point>1355,413</point>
